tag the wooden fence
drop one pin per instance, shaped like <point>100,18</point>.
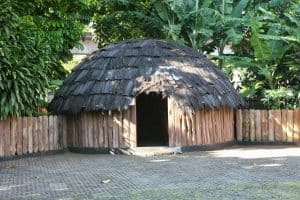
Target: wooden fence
<point>26,135</point>
<point>267,125</point>
<point>96,130</point>
<point>205,127</point>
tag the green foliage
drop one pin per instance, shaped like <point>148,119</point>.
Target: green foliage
<point>35,37</point>
<point>264,34</point>
<point>116,20</point>
<point>272,57</point>
<point>191,22</point>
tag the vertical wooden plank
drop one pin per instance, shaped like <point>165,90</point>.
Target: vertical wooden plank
<point>177,126</point>
<point>91,132</point>
<point>35,139</point>
<point>211,126</point>
<point>205,126</point>
<point>100,129</point>
<point>183,129</point>
<point>215,126</point>
<point>24,136</point>
<point>222,122</point>
<point>289,125</point>
<point>226,124</point>
<point>119,129</point>
<point>39,133</point>
<point>252,125</point>
<point>51,132</point>
<point>1,139</point>
<point>174,124</point>
<point>96,129</point>
<point>188,129</point>
<point>105,130</point>
<point>71,130</point>
<point>82,136</point>
<point>46,133</point>
<point>220,125</point>
<point>203,123</point>
<point>75,126</point>
<point>60,131</point>
<point>231,138</point>
<point>6,130</point>
<point>173,141</point>
<point>55,133</point>
<point>65,133</point>
<point>30,137</point>
<point>126,128</point>
<point>208,125</point>
<point>133,132</point>
<point>13,138</point>
<point>110,130</point>
<point>277,125</point>
<point>257,119</point>
<point>170,123</point>
<point>239,125</point>
<point>115,130</point>
<point>271,126</point>
<point>19,136</point>
<point>194,129</point>
<point>198,127</point>
<point>82,130</point>
<point>86,129</point>
<point>246,125</point>
<point>77,132</point>
<point>121,133</point>
<point>90,129</point>
<point>284,125</point>
<point>264,125</point>
<point>296,126</point>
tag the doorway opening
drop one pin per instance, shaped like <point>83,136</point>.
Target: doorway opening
<point>152,120</point>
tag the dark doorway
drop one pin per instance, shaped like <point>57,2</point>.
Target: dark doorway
<point>152,120</point>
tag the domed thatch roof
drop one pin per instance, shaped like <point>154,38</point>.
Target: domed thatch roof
<point>112,77</point>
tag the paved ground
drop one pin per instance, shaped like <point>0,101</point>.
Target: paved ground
<point>235,173</point>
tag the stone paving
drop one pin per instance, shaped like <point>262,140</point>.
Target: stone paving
<point>233,173</point>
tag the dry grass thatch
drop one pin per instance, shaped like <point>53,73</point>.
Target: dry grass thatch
<point>112,77</point>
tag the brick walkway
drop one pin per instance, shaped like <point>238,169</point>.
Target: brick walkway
<point>233,173</point>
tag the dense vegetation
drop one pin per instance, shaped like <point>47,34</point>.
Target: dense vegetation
<point>264,35</point>
<point>35,37</point>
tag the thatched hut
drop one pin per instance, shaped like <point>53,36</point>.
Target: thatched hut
<point>146,93</point>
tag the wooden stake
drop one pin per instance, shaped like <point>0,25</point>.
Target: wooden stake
<point>271,126</point>
<point>289,125</point>
<point>133,131</point>
<point>284,125</point>
<point>296,128</point>
<point>239,125</point>
<point>6,130</point>
<point>14,134</point>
